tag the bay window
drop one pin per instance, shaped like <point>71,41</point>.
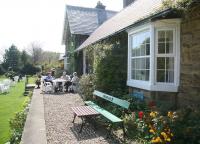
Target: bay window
<point>154,56</point>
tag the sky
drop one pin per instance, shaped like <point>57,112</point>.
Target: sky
<point>41,21</point>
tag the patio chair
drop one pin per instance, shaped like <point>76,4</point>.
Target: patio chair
<point>7,84</point>
<point>16,78</point>
<point>48,87</point>
<point>4,88</point>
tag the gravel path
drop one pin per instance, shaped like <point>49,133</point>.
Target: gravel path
<point>59,126</point>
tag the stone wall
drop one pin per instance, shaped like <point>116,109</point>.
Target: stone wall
<point>189,92</point>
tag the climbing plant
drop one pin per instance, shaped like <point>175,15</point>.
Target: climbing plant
<point>109,64</point>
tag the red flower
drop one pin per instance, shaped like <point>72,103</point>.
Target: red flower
<point>141,114</point>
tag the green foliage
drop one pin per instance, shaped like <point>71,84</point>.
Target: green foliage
<point>17,123</point>
<point>10,74</point>
<point>109,64</point>
<point>178,4</point>
<point>130,126</point>
<point>30,69</point>
<point>86,86</point>
<point>12,58</point>
<point>9,104</point>
<point>187,126</point>
<point>25,58</point>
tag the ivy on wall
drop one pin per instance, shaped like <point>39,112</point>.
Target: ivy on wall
<point>109,64</point>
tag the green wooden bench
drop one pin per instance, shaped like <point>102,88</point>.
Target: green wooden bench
<point>109,116</point>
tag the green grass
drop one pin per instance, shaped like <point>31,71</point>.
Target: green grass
<point>9,104</point>
<point>31,80</point>
<point>2,77</point>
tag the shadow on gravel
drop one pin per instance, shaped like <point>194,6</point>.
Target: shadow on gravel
<point>88,132</point>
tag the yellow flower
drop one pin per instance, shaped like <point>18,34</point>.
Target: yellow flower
<point>164,135</point>
<point>151,131</point>
<point>168,139</point>
<point>153,114</point>
<point>158,139</point>
<point>170,114</point>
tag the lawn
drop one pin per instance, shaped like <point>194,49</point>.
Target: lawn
<point>9,104</point>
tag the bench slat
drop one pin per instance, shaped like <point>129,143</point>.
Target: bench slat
<point>103,112</point>
<point>120,102</point>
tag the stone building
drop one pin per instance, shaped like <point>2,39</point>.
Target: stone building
<point>79,23</point>
<point>163,50</point>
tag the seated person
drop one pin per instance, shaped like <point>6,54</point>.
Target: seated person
<point>74,82</point>
<point>68,79</point>
<point>65,76</point>
<point>75,78</point>
<point>49,78</point>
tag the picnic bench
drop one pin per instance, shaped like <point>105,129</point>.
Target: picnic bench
<point>84,112</point>
<point>106,114</point>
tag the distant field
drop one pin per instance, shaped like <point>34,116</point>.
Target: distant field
<point>9,104</point>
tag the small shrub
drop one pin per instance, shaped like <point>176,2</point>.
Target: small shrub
<point>130,126</point>
<point>18,121</point>
<point>86,86</point>
<point>187,126</point>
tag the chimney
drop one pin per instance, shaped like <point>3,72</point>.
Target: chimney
<point>100,5</point>
<point>127,2</point>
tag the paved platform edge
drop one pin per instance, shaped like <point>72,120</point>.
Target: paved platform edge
<point>35,129</point>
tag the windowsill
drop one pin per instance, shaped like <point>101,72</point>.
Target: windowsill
<point>157,87</point>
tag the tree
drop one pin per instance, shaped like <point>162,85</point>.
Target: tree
<point>12,58</point>
<point>36,52</point>
<point>25,58</point>
<point>30,69</point>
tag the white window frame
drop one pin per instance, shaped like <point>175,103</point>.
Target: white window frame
<point>152,85</point>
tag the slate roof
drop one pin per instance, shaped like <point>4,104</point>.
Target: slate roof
<point>134,13</point>
<point>83,20</point>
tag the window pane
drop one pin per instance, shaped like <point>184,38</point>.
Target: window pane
<point>133,64</point>
<point>148,39</point>
<point>170,76</point>
<point>147,49</point>
<point>142,63</point>
<point>137,63</point>
<point>133,52</point>
<point>169,36</point>
<point>160,75</point>
<point>170,63</point>
<point>161,36</point>
<point>138,51</point>
<point>161,48</point>
<point>138,75</point>
<point>142,47</point>
<point>147,63</point>
<point>147,75</point>
<point>160,63</point>
<point>142,72</point>
<point>169,47</point>
<point>133,74</point>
